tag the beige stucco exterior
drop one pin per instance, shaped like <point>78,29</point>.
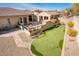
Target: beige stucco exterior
<point>43,14</point>
<point>12,19</point>
<point>4,21</point>
<point>46,16</point>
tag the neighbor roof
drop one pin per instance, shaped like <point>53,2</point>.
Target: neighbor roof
<point>6,11</point>
<point>52,12</point>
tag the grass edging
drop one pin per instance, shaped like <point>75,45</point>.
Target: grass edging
<point>35,52</point>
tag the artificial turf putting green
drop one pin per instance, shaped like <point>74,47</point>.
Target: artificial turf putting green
<point>50,43</point>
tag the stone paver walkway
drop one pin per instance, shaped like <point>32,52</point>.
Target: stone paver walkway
<point>13,44</point>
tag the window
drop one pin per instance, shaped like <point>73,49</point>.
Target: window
<point>41,17</point>
<point>9,20</point>
<point>45,17</point>
<point>52,17</point>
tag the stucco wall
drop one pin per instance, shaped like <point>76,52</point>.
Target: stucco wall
<point>13,20</point>
<point>35,17</point>
<point>4,21</point>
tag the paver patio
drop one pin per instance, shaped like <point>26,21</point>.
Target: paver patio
<point>13,44</point>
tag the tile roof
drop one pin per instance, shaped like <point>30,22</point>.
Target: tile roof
<point>6,11</point>
<point>52,12</point>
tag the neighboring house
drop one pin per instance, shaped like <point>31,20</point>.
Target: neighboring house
<point>46,16</point>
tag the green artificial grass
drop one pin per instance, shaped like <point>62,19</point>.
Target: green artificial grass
<point>49,43</point>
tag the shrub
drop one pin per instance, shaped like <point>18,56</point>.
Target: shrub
<point>70,24</point>
<point>61,44</point>
<point>72,33</point>
<point>6,28</point>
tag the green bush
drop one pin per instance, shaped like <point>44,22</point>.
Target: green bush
<point>61,44</point>
<point>72,33</point>
<point>70,24</point>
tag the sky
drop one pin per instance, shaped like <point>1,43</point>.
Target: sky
<point>42,6</point>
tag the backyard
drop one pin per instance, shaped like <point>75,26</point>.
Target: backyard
<point>49,43</point>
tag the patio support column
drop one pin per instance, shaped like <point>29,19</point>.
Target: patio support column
<point>27,19</point>
<point>22,23</point>
<point>32,17</point>
<point>49,18</point>
<point>22,20</point>
<point>38,19</point>
<point>43,18</point>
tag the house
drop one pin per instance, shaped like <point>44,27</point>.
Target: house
<point>10,17</point>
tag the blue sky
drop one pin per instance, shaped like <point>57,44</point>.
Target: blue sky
<point>44,6</point>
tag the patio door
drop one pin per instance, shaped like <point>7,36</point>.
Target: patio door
<point>30,18</point>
